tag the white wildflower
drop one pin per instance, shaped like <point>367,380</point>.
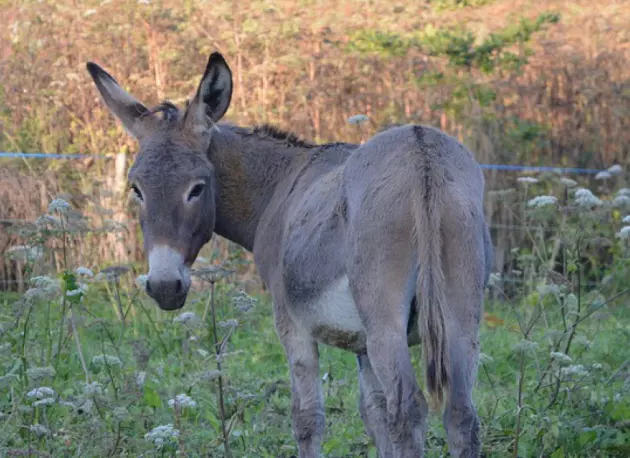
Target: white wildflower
<point>561,357</point>
<point>626,220</point>
<point>494,279</point>
<point>44,402</point>
<point>603,175</point>
<point>38,373</point>
<point>110,360</point>
<point>597,366</point>
<point>182,401</point>
<point>243,301</point>
<point>39,430</point>
<point>585,198</point>
<point>84,271</point>
<point>357,119</point>
<point>624,233</point>
<point>162,435</point>
<point>615,169</point>
<point>621,201</point>
<point>141,281</point>
<point>140,378</point>
<point>92,389</point>
<point>87,406</point>
<point>186,317</point>
<point>42,287</point>
<point>568,182</point>
<point>25,253</point>
<point>41,392</point>
<point>576,369</point>
<point>33,294</point>
<point>624,192</point>
<point>46,283</point>
<point>58,205</point>
<point>82,288</point>
<point>542,201</point>
<point>112,273</point>
<point>525,346</point>
<point>527,180</point>
<point>485,359</point>
<point>203,353</point>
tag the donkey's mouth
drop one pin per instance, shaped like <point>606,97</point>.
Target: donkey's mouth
<point>173,304</point>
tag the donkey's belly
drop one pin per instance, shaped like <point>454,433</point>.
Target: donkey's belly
<point>333,318</point>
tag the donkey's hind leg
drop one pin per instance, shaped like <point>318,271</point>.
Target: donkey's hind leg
<point>373,407</point>
<point>383,288</point>
<point>464,268</point>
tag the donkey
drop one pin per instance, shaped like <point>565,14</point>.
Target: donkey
<point>370,248</point>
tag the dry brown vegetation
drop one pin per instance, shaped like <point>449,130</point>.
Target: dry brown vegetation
<point>297,64</point>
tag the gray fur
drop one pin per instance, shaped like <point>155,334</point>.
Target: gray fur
<point>371,248</point>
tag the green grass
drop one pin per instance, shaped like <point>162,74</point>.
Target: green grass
<point>256,385</point>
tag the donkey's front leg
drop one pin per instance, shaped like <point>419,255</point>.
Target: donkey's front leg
<point>306,390</point>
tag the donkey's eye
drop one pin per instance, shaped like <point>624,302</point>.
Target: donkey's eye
<point>137,192</point>
<point>195,191</point>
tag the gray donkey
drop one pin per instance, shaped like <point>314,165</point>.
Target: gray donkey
<point>370,248</point>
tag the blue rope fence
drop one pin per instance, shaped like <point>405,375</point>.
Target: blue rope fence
<point>502,167</point>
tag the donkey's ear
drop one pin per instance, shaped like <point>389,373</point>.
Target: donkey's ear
<point>213,95</point>
<point>134,115</point>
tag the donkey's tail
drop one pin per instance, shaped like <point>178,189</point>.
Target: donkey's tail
<point>430,294</point>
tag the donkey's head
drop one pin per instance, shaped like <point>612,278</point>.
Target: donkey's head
<point>172,178</point>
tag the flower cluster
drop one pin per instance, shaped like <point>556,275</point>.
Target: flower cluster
<point>41,392</point>
<point>58,205</point>
<point>162,435</point>
<point>542,201</point>
<point>585,198</point>
<point>182,401</point>
<point>38,373</point>
<point>186,317</point>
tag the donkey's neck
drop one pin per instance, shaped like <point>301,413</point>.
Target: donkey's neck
<point>248,169</point>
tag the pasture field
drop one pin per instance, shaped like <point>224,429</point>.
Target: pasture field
<point>91,367</point>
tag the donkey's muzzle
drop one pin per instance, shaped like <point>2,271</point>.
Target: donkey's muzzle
<point>169,279</point>
<point>169,294</point>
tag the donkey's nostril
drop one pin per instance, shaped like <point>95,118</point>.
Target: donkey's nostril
<point>178,287</point>
<point>148,287</point>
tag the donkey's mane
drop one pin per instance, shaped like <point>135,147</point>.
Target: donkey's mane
<point>290,139</point>
<point>172,114</point>
<point>169,111</point>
